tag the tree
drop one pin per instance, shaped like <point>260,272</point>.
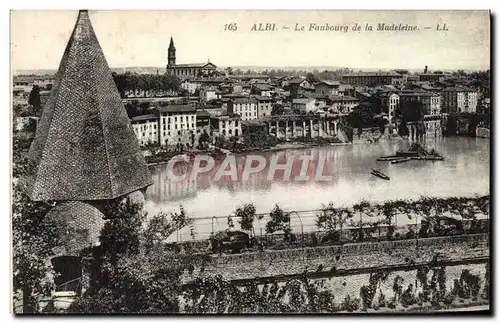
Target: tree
<point>332,220</point>
<point>311,78</point>
<point>412,111</point>
<point>34,99</point>
<point>277,109</point>
<point>362,116</point>
<point>33,238</point>
<point>247,214</point>
<point>280,221</point>
<point>136,273</point>
<point>204,139</point>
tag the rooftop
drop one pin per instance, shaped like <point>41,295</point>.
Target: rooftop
<point>177,108</point>
<point>303,101</point>
<point>337,98</point>
<point>202,113</point>
<point>373,74</point>
<point>84,147</point>
<point>144,117</point>
<point>199,65</point>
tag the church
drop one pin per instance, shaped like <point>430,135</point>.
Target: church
<point>187,70</point>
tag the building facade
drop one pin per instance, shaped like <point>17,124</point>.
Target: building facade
<point>146,129</point>
<point>371,79</point>
<point>177,124</point>
<point>304,105</point>
<point>431,102</point>
<point>183,70</point>
<point>390,103</point>
<point>264,106</point>
<point>228,126</point>
<point>343,104</point>
<point>459,100</point>
<point>246,108</point>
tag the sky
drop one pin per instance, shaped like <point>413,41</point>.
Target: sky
<point>141,38</point>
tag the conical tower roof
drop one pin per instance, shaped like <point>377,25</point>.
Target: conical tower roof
<point>84,147</point>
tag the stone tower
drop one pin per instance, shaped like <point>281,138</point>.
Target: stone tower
<point>85,153</point>
<point>171,53</point>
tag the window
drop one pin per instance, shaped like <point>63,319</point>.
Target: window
<point>154,126</point>
<point>179,133</point>
<point>164,126</point>
<point>175,119</point>
<point>176,127</point>
<point>192,125</point>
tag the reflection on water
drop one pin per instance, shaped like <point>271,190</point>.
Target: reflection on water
<point>464,172</point>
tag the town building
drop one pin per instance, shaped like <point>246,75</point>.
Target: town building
<point>24,83</point>
<point>459,100</point>
<point>202,122</point>
<point>146,128</point>
<point>298,86</point>
<point>264,106</point>
<point>228,126</point>
<point>372,78</point>
<point>343,104</point>
<point>306,105</point>
<point>390,104</point>
<point>190,85</point>
<point>209,94</point>
<point>431,102</point>
<point>261,89</point>
<point>177,124</point>
<point>326,88</point>
<point>183,70</point>
<point>246,108</point>
<point>431,77</point>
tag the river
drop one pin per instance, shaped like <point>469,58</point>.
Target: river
<point>465,171</point>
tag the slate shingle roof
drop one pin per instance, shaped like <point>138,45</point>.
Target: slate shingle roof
<point>84,147</point>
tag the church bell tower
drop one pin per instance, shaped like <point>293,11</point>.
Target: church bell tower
<point>171,53</point>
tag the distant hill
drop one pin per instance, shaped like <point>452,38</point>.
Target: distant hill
<point>133,69</point>
<point>161,70</point>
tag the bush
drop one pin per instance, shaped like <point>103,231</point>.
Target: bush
<point>381,300</point>
<point>350,304</point>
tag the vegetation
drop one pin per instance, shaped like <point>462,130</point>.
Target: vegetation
<point>35,101</point>
<point>279,222</point>
<point>155,84</point>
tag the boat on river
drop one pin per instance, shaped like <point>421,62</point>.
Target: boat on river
<point>401,160</point>
<point>415,152</point>
<point>380,174</point>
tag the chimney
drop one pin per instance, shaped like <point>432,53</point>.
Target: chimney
<point>425,70</point>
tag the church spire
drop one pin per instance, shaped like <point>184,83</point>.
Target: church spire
<point>171,53</point>
<point>84,147</point>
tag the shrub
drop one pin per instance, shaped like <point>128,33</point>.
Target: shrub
<point>350,304</point>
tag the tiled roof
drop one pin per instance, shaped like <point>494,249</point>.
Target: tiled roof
<point>296,81</point>
<point>458,89</point>
<point>199,65</point>
<point>145,117</point>
<point>84,147</point>
<point>202,113</point>
<point>374,74</point>
<point>302,101</point>
<point>177,108</point>
<point>340,98</point>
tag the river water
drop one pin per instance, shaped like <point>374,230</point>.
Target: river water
<point>465,171</point>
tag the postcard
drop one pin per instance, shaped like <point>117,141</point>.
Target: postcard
<point>251,162</point>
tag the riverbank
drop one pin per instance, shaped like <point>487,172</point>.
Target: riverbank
<point>160,160</point>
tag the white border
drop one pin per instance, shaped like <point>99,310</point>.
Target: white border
<point>185,4</point>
